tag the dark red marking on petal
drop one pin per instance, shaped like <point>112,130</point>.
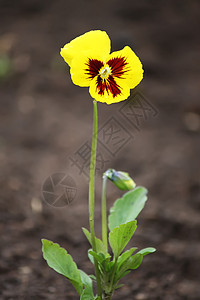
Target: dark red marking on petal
<point>113,86</point>
<point>118,66</point>
<point>108,85</point>
<point>94,66</point>
<point>101,85</point>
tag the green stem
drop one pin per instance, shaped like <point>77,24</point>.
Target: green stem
<point>104,213</point>
<point>92,194</point>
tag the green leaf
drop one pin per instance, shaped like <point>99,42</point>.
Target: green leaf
<point>99,244</point>
<point>134,261</point>
<point>87,293</point>
<point>100,257</point>
<point>91,258</point>
<point>58,259</point>
<point>122,258</point>
<point>105,265</point>
<point>119,286</point>
<point>86,280</point>
<point>119,275</point>
<point>131,263</point>
<point>127,208</point>
<point>146,251</point>
<point>120,236</point>
<point>108,267</point>
<point>93,277</point>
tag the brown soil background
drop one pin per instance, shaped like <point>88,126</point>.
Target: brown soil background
<point>44,119</point>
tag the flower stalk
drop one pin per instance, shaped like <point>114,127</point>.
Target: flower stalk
<point>104,213</point>
<point>92,193</point>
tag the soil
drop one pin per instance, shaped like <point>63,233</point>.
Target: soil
<point>45,120</point>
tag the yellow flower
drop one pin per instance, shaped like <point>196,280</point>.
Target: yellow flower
<point>108,76</point>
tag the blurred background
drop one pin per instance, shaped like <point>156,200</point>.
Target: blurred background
<point>45,132</point>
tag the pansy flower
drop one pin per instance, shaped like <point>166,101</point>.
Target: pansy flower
<point>109,76</point>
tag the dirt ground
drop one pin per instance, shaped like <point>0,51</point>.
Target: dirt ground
<point>45,121</point>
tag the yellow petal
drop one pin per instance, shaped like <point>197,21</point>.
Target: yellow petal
<point>133,72</point>
<point>95,41</point>
<point>107,96</point>
<point>80,70</point>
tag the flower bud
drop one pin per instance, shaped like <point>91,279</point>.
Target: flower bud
<point>121,179</point>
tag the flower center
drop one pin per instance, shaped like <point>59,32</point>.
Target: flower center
<point>105,72</point>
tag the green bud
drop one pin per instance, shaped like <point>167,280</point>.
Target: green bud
<point>121,179</point>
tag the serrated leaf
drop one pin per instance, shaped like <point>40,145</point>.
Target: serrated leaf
<point>58,259</point>
<point>127,208</point>
<point>146,251</point>
<point>122,258</point>
<point>120,236</point>
<point>99,244</point>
